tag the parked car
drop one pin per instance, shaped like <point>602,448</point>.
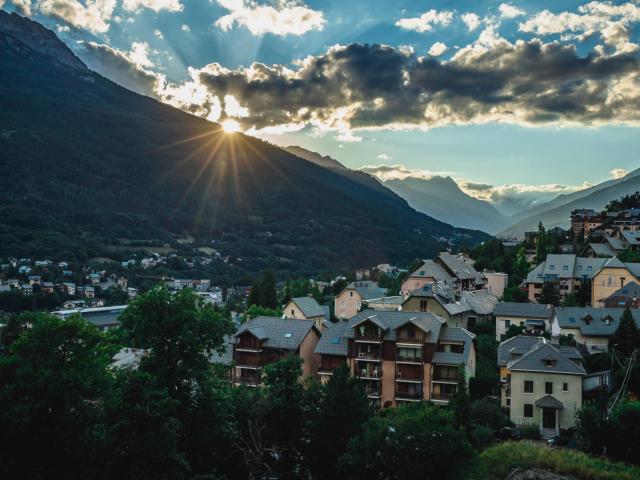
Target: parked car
<point>509,433</point>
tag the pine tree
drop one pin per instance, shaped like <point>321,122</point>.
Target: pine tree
<point>541,245</point>
<point>627,337</point>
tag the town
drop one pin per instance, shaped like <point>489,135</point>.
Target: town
<point>533,339</point>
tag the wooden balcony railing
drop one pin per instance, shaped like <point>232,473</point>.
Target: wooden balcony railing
<point>409,395</point>
<point>405,358</point>
<point>442,396</point>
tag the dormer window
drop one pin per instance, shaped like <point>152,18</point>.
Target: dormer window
<point>565,267</point>
<point>587,319</point>
<point>548,362</point>
<point>552,267</point>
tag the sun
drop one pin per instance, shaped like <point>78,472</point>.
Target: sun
<point>230,126</point>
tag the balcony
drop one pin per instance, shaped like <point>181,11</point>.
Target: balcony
<point>368,356</point>
<point>249,380</point>
<point>369,374</point>
<point>372,391</point>
<point>441,396</point>
<point>409,373</point>
<point>408,395</point>
<point>445,375</point>
<point>244,360</point>
<point>400,358</point>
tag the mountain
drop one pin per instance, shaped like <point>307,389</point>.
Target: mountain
<point>314,157</point>
<point>442,198</point>
<point>87,167</point>
<point>557,212</point>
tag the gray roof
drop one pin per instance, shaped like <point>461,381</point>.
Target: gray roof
<point>461,269</point>
<point>588,267</point>
<point>614,242</point>
<point>481,302</point>
<point>549,401</point>
<point>603,249</point>
<point>524,310</point>
<point>535,361</point>
<point>368,290</point>
<point>454,334</point>
<point>515,347</point>
<point>394,300</point>
<point>631,237</point>
<point>333,340</point>
<point>390,320</point>
<point>630,290</point>
<point>276,332</point>
<point>431,269</point>
<point>226,357</point>
<point>560,265</point>
<point>576,318</point>
<point>310,308</point>
<point>536,275</point>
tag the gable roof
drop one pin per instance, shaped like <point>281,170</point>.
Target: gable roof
<point>535,361</point>
<point>454,334</point>
<point>549,401</point>
<point>560,265</point>
<point>481,302</point>
<point>515,347</point>
<point>602,249</point>
<point>367,289</point>
<point>524,310</point>
<point>614,242</point>
<point>431,269</point>
<point>458,267</point>
<point>309,307</point>
<point>389,320</point>
<point>574,318</point>
<point>630,290</point>
<point>631,237</point>
<point>333,340</point>
<point>275,332</point>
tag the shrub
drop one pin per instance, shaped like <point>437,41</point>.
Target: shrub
<point>530,432</point>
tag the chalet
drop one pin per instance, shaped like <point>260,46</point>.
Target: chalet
<point>427,273</point>
<point>591,327</point>
<point>461,269</point>
<point>306,308</point>
<point>542,383</point>
<point>534,317</point>
<point>264,340</point>
<point>350,300</point>
<point>400,357</point>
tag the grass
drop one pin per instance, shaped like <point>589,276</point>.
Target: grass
<point>499,461</point>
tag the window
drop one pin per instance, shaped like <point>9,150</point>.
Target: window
<point>507,324</point>
<point>351,294</point>
<point>548,363</point>
<point>528,386</point>
<point>508,402</point>
<point>471,321</point>
<point>622,279</point>
<point>293,312</point>
<point>565,387</point>
<point>423,305</point>
<point>528,410</point>
<point>548,388</point>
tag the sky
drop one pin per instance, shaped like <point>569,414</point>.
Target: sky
<point>523,99</point>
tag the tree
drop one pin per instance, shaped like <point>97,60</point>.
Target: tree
<point>626,337</point>
<point>515,294</point>
<point>263,291</point>
<point>591,425</point>
<point>180,331</point>
<point>419,441</point>
<point>460,403</point>
<point>571,300</point>
<point>624,432</point>
<point>343,410</point>
<point>549,294</point>
<point>52,386</point>
<point>541,245</point>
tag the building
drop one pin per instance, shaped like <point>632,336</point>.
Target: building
<point>400,357</point>
<point>104,318</point>
<point>534,317</point>
<point>350,300</point>
<point>427,273</point>
<point>386,303</point>
<point>460,267</point>
<point>627,296</point>
<point>465,309</point>
<point>69,288</point>
<point>306,308</point>
<point>591,327</point>
<point>264,340</point>
<point>541,383</point>
<point>612,276</point>
<point>583,221</point>
<point>496,282</point>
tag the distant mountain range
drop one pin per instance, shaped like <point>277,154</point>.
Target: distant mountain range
<point>556,212</point>
<point>86,165</point>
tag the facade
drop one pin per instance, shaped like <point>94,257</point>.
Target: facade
<point>104,318</point>
<point>591,327</point>
<point>584,221</point>
<point>627,296</point>
<point>613,276</point>
<point>400,356</point>
<point>460,267</point>
<point>496,282</point>
<point>541,383</point>
<point>350,300</point>
<point>465,309</point>
<point>427,273</point>
<point>264,340</point>
<point>534,317</point>
<point>306,308</point>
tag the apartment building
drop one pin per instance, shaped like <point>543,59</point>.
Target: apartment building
<point>400,357</point>
<point>535,318</point>
<point>306,308</point>
<point>264,340</point>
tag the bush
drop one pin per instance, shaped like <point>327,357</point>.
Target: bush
<point>481,437</point>
<point>530,432</point>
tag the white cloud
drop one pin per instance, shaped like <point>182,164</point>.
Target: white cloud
<point>92,15</point>
<point>155,5</point>
<point>471,20</point>
<point>139,54</point>
<point>384,156</point>
<point>509,11</point>
<point>185,28</point>
<point>348,136</point>
<point>22,6</point>
<point>386,172</point>
<point>618,173</point>
<point>437,49</point>
<point>287,17</point>
<point>426,21</point>
<point>158,34</point>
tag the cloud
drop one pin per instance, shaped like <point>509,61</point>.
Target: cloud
<point>618,173</point>
<point>509,11</point>
<point>185,28</point>
<point>471,20</point>
<point>426,21</point>
<point>158,34</point>
<point>398,172</point>
<point>125,68</point>
<point>155,5</point>
<point>437,49</point>
<point>287,17</point>
<point>384,156</point>
<point>92,15</point>
<point>358,86</point>
<point>611,22</point>
<point>22,6</point>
